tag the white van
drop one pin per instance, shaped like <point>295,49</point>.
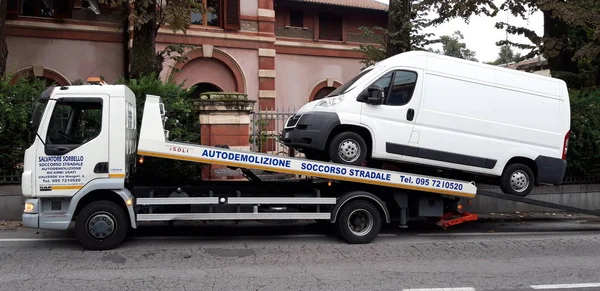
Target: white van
<point>446,113</point>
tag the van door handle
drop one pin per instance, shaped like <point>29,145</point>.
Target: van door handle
<point>410,114</point>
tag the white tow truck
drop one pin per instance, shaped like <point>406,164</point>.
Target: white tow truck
<point>86,149</point>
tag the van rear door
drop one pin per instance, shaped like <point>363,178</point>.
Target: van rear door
<point>392,122</point>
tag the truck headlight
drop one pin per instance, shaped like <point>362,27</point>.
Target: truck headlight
<point>30,206</point>
<point>330,101</point>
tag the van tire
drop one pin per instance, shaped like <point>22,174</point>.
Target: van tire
<point>517,179</point>
<point>113,224</point>
<point>350,143</point>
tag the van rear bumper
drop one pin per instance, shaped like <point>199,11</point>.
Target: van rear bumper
<point>550,170</point>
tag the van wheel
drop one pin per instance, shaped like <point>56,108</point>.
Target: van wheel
<point>359,222</point>
<point>517,179</point>
<point>348,148</point>
<point>101,225</point>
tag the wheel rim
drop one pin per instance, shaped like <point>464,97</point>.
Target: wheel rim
<point>360,222</point>
<point>349,150</point>
<point>519,181</point>
<point>101,225</point>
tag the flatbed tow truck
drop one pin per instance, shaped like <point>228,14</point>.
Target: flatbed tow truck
<point>86,149</point>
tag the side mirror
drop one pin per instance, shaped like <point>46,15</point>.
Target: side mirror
<point>372,95</point>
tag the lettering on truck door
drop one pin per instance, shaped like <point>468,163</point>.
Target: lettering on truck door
<point>76,145</point>
<point>392,122</point>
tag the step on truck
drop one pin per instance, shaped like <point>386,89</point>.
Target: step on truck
<point>86,150</point>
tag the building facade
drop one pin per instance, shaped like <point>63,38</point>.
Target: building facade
<point>281,53</point>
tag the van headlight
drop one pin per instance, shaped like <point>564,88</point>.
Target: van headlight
<point>330,101</point>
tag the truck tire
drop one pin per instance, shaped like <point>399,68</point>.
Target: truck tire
<point>517,179</point>
<point>101,225</point>
<point>348,148</point>
<point>359,222</point>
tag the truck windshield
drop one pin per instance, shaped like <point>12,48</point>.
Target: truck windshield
<point>37,113</point>
<point>346,86</point>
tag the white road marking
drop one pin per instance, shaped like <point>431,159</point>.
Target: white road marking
<point>184,237</point>
<point>442,289</point>
<point>35,239</point>
<point>566,286</point>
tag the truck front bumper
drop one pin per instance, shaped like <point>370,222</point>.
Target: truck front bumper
<point>31,220</point>
<point>31,216</point>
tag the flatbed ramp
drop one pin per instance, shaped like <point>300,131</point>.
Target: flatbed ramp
<point>153,143</point>
<point>535,202</point>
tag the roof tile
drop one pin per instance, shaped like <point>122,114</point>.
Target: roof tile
<point>367,4</point>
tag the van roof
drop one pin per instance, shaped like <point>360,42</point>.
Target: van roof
<point>420,59</point>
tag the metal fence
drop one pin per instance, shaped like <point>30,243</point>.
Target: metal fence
<point>266,127</point>
<point>10,177</point>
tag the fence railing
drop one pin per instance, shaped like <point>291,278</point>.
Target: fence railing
<point>10,177</point>
<point>266,127</point>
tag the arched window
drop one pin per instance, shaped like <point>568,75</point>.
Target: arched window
<point>203,88</point>
<point>323,92</point>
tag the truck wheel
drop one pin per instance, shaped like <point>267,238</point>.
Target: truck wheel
<point>517,179</point>
<point>101,225</point>
<point>348,148</point>
<point>359,222</point>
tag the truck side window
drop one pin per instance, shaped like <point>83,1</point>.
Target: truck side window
<point>403,86</point>
<point>74,123</point>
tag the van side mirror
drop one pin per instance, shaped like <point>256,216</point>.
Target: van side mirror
<point>372,95</point>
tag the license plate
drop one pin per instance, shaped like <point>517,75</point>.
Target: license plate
<point>287,135</point>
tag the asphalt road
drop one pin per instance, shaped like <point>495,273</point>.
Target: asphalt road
<point>486,255</point>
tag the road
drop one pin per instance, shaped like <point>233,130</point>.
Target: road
<point>538,254</point>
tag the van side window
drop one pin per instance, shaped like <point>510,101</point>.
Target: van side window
<point>74,123</point>
<point>402,88</point>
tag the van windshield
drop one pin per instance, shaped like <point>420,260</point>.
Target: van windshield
<point>348,85</point>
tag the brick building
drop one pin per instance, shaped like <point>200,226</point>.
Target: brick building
<point>279,52</point>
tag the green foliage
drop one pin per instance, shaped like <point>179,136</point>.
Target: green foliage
<point>584,144</point>
<point>372,53</point>
<point>506,55</point>
<point>183,126</point>
<point>452,46</point>
<point>174,13</point>
<point>16,102</point>
<point>396,34</point>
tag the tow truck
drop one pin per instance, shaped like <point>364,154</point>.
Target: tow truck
<point>87,149</point>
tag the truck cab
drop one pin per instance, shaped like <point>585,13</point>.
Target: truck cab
<point>84,142</point>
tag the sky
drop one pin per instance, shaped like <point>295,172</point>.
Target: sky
<point>481,36</point>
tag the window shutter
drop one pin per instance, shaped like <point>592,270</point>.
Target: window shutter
<point>232,14</point>
<point>12,7</point>
<point>63,9</point>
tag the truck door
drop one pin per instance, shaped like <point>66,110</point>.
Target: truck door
<point>74,147</point>
<point>392,122</point>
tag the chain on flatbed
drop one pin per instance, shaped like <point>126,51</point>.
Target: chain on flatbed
<point>152,142</point>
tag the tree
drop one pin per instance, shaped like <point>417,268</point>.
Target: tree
<point>395,35</point>
<point>3,46</point>
<point>506,55</point>
<point>452,46</point>
<point>148,17</point>
<point>399,27</point>
<point>571,39</point>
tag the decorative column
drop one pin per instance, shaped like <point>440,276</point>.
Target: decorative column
<point>266,72</point>
<point>224,120</point>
